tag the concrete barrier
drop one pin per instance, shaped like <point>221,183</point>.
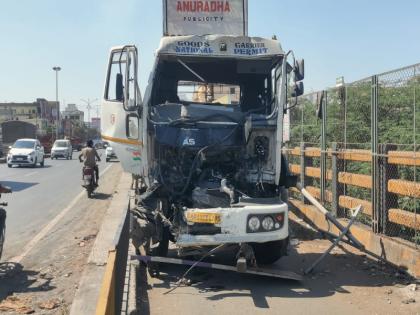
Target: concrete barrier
<point>94,292</point>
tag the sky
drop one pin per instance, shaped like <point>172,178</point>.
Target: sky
<point>354,39</point>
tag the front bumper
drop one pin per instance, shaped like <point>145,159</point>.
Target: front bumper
<point>59,154</point>
<point>233,226</point>
<point>20,160</point>
<point>111,155</point>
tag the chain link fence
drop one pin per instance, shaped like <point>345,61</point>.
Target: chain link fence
<point>359,144</point>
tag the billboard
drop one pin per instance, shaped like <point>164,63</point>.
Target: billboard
<point>201,17</point>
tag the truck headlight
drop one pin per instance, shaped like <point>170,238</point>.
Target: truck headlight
<point>254,224</point>
<point>268,223</point>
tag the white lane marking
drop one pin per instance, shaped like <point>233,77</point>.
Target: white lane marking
<point>30,174</point>
<point>34,241</point>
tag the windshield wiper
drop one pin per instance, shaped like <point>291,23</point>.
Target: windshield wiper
<point>192,71</point>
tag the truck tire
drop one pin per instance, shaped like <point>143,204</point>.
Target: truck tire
<point>2,229</point>
<point>268,253</point>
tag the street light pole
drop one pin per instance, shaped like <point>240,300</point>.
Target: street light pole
<point>88,106</point>
<point>56,69</point>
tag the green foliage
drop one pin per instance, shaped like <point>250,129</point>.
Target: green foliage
<point>349,124</point>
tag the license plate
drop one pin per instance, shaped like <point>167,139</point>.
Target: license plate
<point>202,217</point>
<point>20,159</point>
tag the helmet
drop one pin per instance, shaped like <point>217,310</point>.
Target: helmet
<point>89,143</point>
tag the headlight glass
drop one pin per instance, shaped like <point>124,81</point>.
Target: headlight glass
<point>254,224</point>
<point>268,223</point>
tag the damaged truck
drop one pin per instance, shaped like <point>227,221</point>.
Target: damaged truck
<point>204,144</point>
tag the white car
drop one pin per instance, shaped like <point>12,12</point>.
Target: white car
<point>26,152</point>
<point>110,153</point>
<point>62,148</point>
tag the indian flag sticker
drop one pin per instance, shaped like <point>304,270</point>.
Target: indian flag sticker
<point>136,156</point>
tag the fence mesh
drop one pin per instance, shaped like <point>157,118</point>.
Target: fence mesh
<point>370,130</point>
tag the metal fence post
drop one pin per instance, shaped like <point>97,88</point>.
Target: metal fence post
<point>375,192</point>
<point>337,166</point>
<point>304,162</point>
<point>323,156</point>
<point>387,199</point>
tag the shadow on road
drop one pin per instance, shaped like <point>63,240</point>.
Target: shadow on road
<point>17,186</point>
<point>15,279</point>
<point>25,167</point>
<point>102,196</point>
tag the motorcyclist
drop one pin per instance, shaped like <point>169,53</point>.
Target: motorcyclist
<point>90,155</point>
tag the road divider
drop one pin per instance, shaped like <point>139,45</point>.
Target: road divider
<point>101,287</point>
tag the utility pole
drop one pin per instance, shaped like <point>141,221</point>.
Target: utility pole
<point>56,69</point>
<point>89,106</point>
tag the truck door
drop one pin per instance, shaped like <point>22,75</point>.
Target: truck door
<point>121,109</point>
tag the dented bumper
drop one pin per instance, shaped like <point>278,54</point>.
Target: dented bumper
<point>233,224</point>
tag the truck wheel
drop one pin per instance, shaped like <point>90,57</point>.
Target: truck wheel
<point>9,165</point>
<point>89,193</point>
<point>42,163</point>
<point>35,163</point>
<point>2,228</point>
<point>268,253</point>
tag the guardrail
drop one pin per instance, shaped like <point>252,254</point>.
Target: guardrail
<point>387,188</point>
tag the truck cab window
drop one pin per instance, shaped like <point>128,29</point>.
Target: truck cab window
<point>210,93</point>
<point>117,68</point>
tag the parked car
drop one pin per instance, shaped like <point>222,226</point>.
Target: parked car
<point>62,148</point>
<point>26,152</point>
<point>110,153</point>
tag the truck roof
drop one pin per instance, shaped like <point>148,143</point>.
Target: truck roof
<point>220,46</point>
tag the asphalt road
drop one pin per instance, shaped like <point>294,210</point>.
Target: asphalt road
<point>39,195</point>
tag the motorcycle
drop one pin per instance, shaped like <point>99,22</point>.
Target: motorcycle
<point>3,217</point>
<point>89,180</point>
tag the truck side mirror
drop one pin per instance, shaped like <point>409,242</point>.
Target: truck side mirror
<point>298,89</point>
<point>119,87</point>
<point>299,70</point>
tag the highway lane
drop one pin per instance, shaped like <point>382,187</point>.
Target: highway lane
<point>39,194</point>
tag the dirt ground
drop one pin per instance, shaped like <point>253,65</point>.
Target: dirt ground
<point>46,280</point>
<point>346,282</point>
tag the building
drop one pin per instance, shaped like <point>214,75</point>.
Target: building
<point>41,113</point>
<point>73,114</point>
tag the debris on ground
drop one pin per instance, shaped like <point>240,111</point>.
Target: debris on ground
<point>408,301</point>
<point>49,305</point>
<point>89,237</point>
<point>82,244</point>
<point>14,303</point>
